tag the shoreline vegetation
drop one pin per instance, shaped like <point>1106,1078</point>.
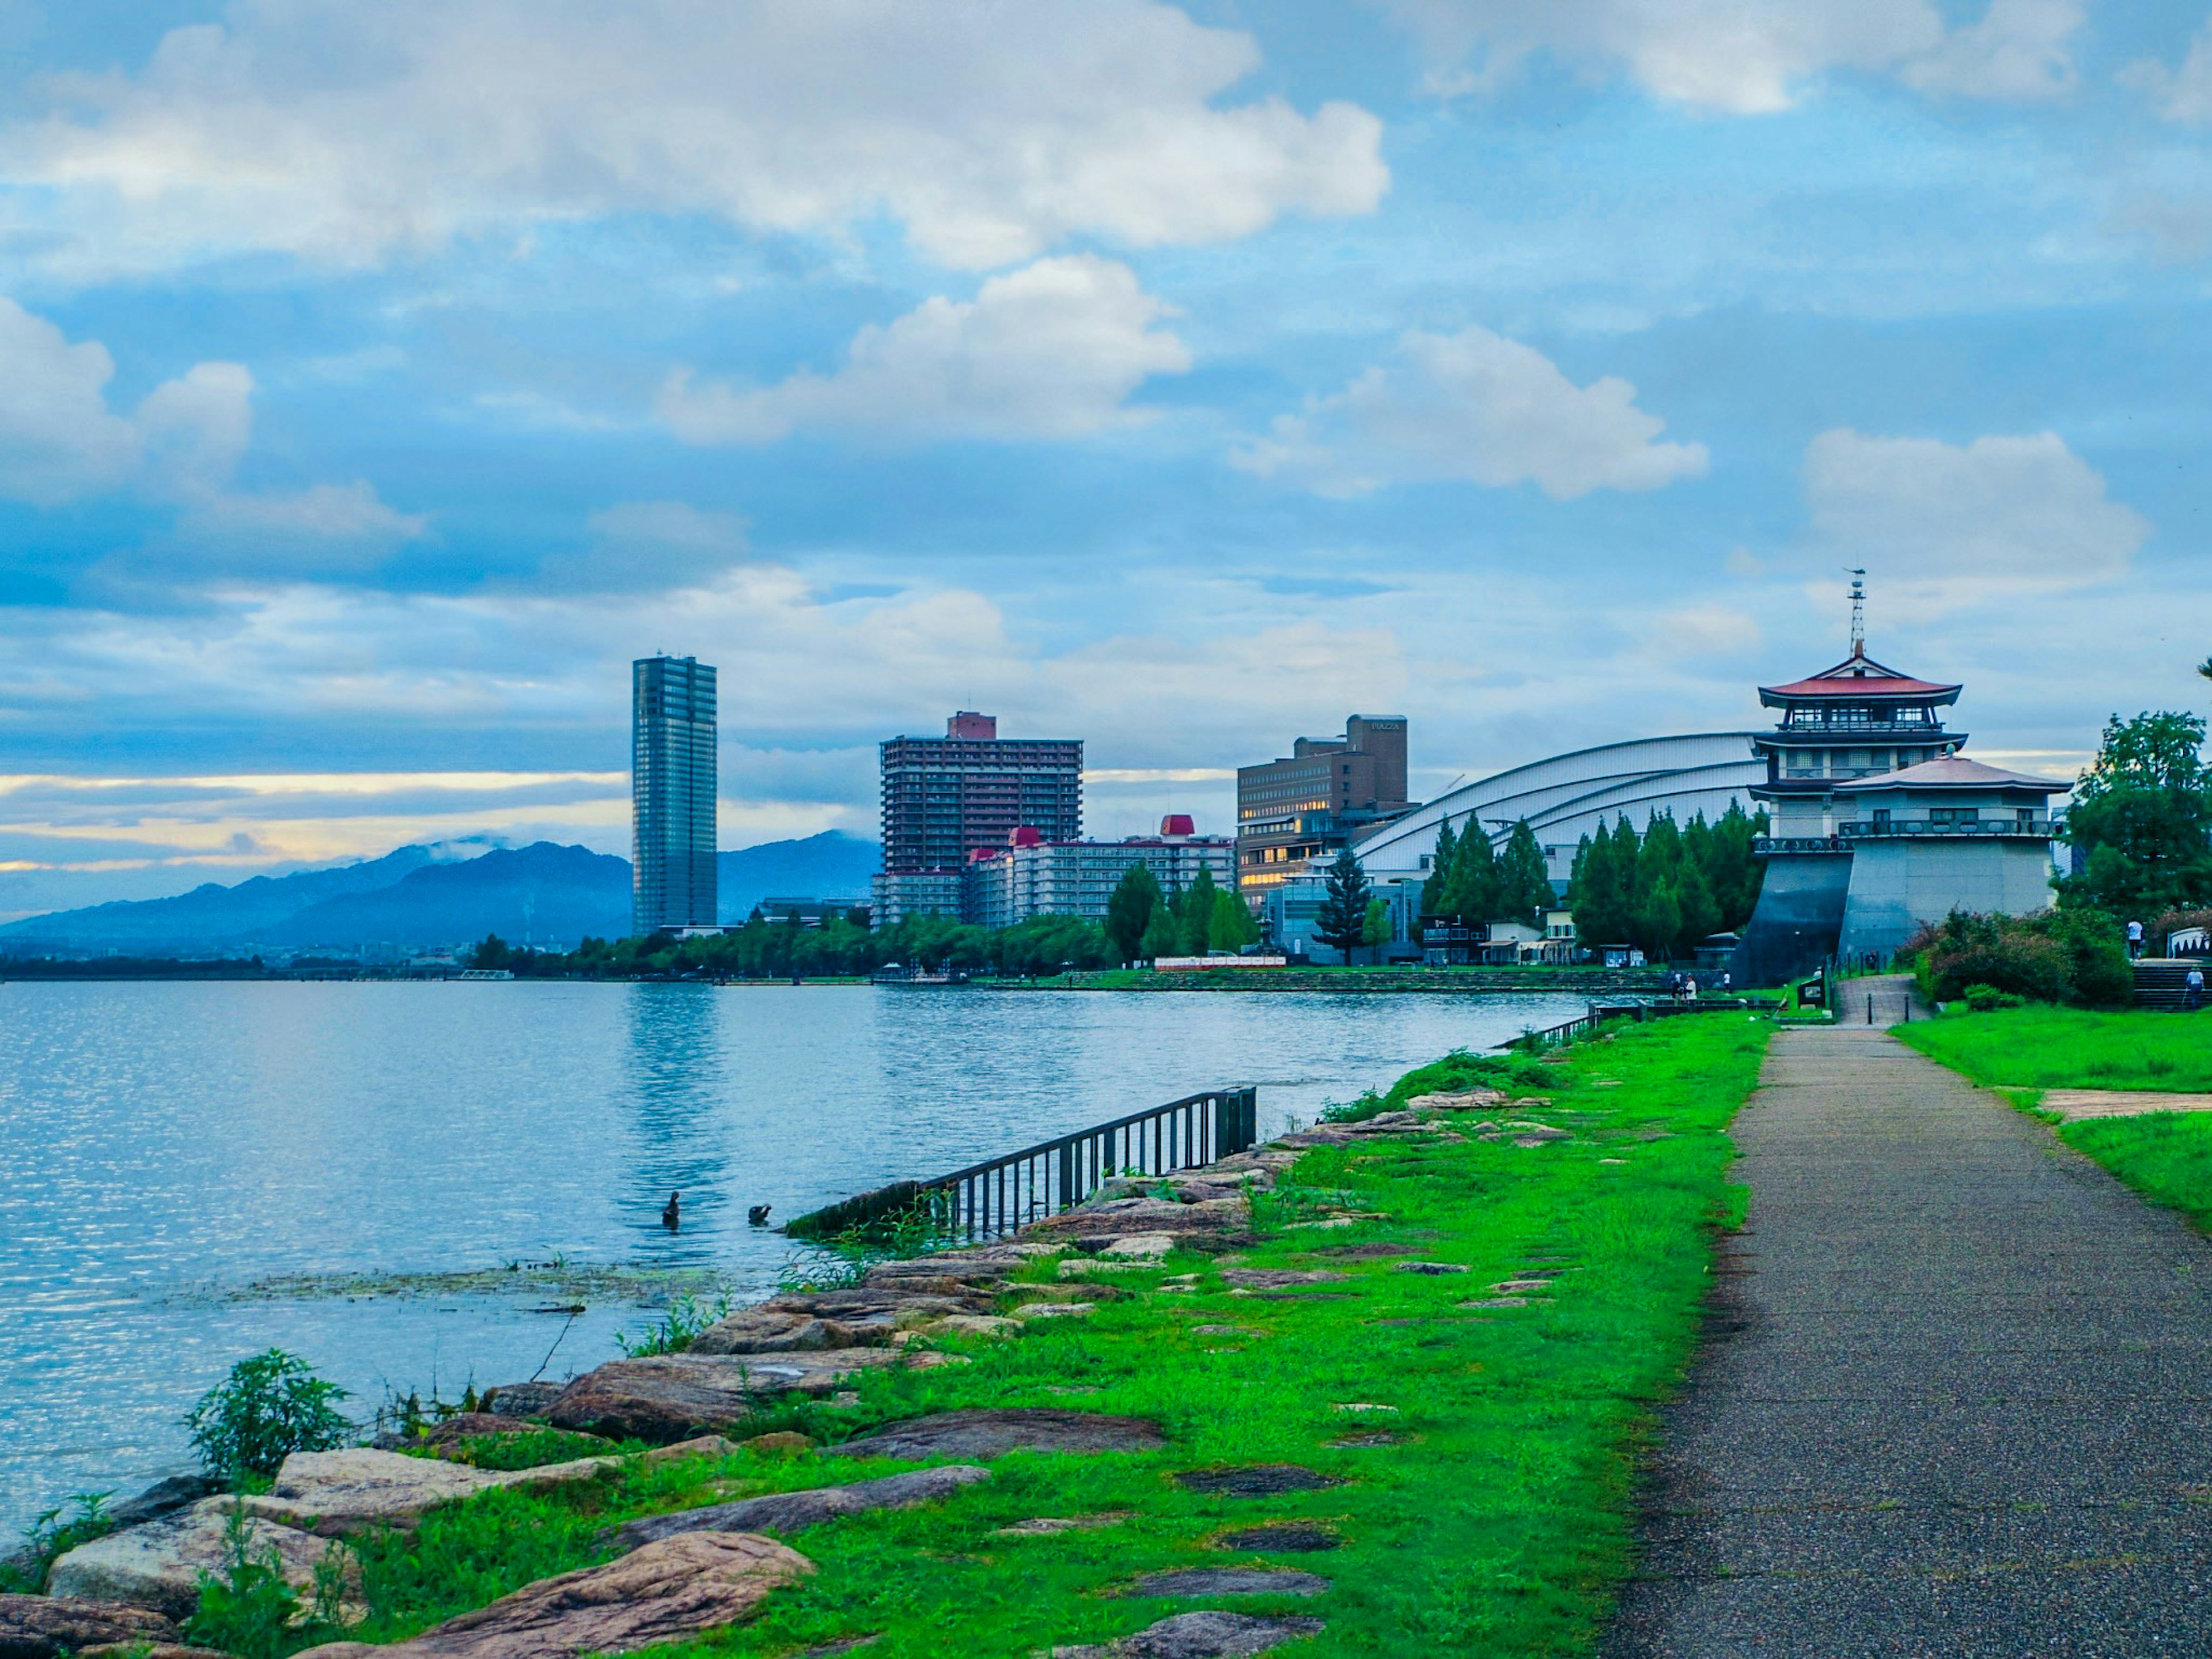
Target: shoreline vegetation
<point>1394,1403</point>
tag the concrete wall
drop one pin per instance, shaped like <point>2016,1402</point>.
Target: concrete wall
<point>1798,920</point>
<point>1897,886</point>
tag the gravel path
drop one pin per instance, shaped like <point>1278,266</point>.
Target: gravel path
<point>1956,1398</point>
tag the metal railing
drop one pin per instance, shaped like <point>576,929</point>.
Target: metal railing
<point>1582,1025</point>
<point>987,1199</point>
<point>2040,828</point>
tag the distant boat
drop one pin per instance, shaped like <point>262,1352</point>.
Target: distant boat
<point>894,973</point>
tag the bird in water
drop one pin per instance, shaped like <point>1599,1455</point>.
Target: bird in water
<point>673,1217</point>
<point>758,1215</point>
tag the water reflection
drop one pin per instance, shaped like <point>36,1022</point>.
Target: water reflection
<point>675,1090</point>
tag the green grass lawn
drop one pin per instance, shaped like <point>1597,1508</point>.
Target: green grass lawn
<point>1495,1520</point>
<point>2043,1047</point>
<point>2165,1156</point>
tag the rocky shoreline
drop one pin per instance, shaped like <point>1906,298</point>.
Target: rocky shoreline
<point>688,1571</point>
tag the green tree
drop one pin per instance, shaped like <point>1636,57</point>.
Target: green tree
<point>2143,819</point>
<point>1129,912</point>
<point>493,952</point>
<point>1341,921</point>
<point>1597,891</point>
<point>1471,892</point>
<point>1375,927</point>
<point>1433,894</point>
<point>1700,914</point>
<point>1233,927</point>
<point>1193,910</point>
<point>1162,937</point>
<point>1524,880</point>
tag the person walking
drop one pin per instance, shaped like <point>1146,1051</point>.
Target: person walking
<point>2196,983</point>
<point>2135,940</point>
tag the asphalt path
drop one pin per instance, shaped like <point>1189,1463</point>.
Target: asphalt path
<point>1955,1399</point>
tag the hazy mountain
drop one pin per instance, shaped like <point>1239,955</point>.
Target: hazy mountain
<point>832,864</point>
<point>542,894</point>
<point>210,913</point>
<point>423,898</point>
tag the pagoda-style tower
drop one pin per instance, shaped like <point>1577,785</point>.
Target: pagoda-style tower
<point>1876,824</point>
<point>1855,720</point>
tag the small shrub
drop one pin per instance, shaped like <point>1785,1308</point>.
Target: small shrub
<point>675,1330</point>
<point>249,1610</point>
<point>53,1536</point>
<point>1987,999</point>
<point>270,1406</point>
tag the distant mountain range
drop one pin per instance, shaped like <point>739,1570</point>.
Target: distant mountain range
<point>423,898</point>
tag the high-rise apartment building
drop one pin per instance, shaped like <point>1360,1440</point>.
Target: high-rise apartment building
<point>1296,812</point>
<point>672,785</point>
<point>944,798</point>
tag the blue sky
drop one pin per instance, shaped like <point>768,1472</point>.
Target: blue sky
<point>376,380</point>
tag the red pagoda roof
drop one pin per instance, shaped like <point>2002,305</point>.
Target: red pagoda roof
<point>1857,676</point>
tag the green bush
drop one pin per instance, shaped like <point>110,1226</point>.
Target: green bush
<point>1987,999</point>
<point>250,1609</point>
<point>2075,957</point>
<point>270,1406</point>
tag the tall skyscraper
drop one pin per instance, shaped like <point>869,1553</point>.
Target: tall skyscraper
<point>671,786</point>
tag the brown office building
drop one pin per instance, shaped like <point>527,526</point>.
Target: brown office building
<point>1296,813</point>
<point>945,798</point>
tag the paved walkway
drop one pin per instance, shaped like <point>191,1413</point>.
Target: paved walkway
<point>1884,1000</point>
<point>1956,1399</point>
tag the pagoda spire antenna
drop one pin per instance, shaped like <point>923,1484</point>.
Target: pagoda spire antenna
<point>1858,614</point>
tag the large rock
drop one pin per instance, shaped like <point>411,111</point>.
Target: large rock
<point>993,1433</point>
<point>163,1498</point>
<point>1209,1224</point>
<point>159,1565</point>
<point>521,1398</point>
<point>662,1593</point>
<point>343,1492</point>
<point>1200,1636</point>
<point>673,1397</point>
<point>1257,1480</point>
<point>44,1626</point>
<point>784,1330</point>
<point>787,1511</point>
<point>1227,1581</point>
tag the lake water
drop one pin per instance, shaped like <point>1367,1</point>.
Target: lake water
<point>191,1172</point>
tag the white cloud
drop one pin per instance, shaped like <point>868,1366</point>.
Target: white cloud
<point>990,128</point>
<point>1476,406</point>
<point>2183,95</point>
<point>1947,523</point>
<point>2020,50</point>
<point>647,547</point>
<point>323,527</point>
<point>59,441</point>
<point>1052,350</point>
<point>58,438</point>
<point>1748,57</point>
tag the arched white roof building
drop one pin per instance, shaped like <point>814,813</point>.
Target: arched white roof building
<point>1566,797</point>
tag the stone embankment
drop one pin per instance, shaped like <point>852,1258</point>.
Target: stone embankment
<point>699,1569</point>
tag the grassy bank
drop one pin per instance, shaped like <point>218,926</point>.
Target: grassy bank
<point>1486,1471</point>
<point>2165,1156</point>
<point>2043,1047</point>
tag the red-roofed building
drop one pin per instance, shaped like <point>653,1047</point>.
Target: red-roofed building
<point>1879,824</point>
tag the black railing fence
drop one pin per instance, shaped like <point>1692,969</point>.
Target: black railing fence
<point>993,1198</point>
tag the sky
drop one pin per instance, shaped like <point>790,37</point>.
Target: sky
<point>377,380</point>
